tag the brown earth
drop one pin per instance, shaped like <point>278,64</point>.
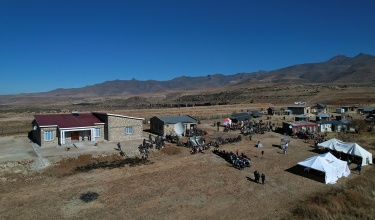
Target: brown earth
<point>173,184</point>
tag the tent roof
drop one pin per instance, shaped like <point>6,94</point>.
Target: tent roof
<point>329,164</point>
<point>318,163</point>
<point>241,116</point>
<point>348,148</point>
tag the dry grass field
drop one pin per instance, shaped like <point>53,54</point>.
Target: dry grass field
<point>173,184</point>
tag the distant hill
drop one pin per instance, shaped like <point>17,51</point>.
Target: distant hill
<point>136,87</point>
<point>339,69</point>
<point>335,70</point>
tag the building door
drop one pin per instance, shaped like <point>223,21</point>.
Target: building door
<point>74,135</point>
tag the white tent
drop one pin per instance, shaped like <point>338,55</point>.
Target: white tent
<point>348,148</point>
<point>227,121</point>
<point>329,164</point>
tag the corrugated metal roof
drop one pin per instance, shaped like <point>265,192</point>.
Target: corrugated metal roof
<point>297,106</point>
<point>334,122</point>
<point>323,115</point>
<point>302,116</point>
<point>369,109</point>
<point>67,120</point>
<point>176,119</point>
<point>302,123</point>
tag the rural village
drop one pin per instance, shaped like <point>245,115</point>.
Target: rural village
<point>237,157</point>
<point>188,110</point>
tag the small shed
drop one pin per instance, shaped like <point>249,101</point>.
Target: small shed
<point>299,109</point>
<point>271,111</point>
<point>288,112</point>
<point>323,117</point>
<point>302,117</point>
<point>340,110</point>
<point>162,125</point>
<point>349,108</point>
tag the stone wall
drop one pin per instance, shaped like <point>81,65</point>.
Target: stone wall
<point>102,133</point>
<point>103,117</point>
<point>51,143</point>
<point>117,126</point>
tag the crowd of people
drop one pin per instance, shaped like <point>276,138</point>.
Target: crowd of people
<point>249,127</point>
<point>237,161</point>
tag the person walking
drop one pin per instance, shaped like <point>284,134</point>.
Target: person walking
<point>263,178</point>
<point>119,146</point>
<point>262,153</point>
<point>255,176</point>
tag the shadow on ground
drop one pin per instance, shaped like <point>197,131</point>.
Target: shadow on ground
<point>312,174</point>
<point>133,161</point>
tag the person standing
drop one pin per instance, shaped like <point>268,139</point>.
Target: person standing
<point>262,153</point>
<point>119,146</point>
<point>258,177</point>
<point>359,168</point>
<point>263,178</point>
<point>255,176</point>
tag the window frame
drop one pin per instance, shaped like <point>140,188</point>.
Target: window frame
<point>49,136</point>
<point>129,130</point>
<point>96,131</point>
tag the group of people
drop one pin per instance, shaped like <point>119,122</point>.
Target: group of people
<point>197,149</point>
<point>258,176</point>
<point>238,161</point>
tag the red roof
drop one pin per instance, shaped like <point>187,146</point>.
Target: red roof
<point>67,120</point>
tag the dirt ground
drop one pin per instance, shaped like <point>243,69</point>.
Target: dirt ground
<point>174,185</point>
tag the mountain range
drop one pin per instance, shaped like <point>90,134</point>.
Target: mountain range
<point>339,69</point>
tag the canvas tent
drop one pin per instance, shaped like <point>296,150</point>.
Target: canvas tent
<point>348,148</point>
<point>227,121</point>
<point>329,164</point>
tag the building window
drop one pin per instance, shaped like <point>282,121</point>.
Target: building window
<point>129,130</point>
<point>97,132</point>
<point>48,135</point>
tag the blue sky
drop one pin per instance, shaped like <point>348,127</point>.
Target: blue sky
<point>53,44</point>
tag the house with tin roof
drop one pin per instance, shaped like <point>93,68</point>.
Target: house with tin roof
<point>299,126</point>
<point>322,117</point>
<point>366,110</point>
<point>319,108</point>
<point>163,125</point>
<point>334,125</point>
<point>65,129</point>
<point>299,109</point>
<point>302,117</point>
